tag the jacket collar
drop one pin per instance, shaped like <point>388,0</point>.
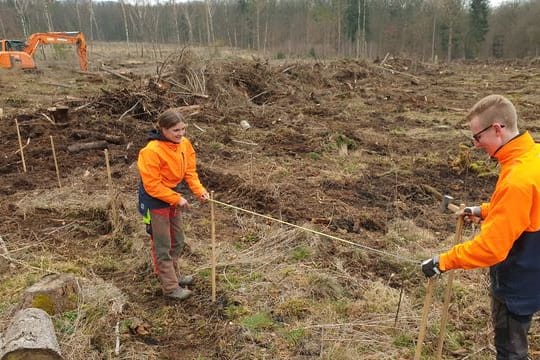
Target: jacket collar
<point>157,135</point>
<point>514,148</point>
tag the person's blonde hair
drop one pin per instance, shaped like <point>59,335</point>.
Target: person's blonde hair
<point>494,108</point>
<point>169,118</point>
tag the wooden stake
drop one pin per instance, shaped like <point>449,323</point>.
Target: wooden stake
<point>398,305</point>
<point>112,195</point>
<point>213,221</point>
<point>55,162</point>
<point>109,177</point>
<point>448,292</point>
<point>20,145</point>
<point>425,313</point>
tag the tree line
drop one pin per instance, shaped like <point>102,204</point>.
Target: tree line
<point>427,30</point>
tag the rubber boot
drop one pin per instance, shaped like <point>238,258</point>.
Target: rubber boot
<point>185,280</point>
<point>180,294</point>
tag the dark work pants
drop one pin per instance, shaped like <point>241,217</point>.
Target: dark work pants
<point>510,332</point>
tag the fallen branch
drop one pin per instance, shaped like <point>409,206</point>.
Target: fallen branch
<point>117,334</point>
<point>85,134</point>
<point>288,68</point>
<point>57,84</point>
<point>9,258</point>
<point>88,146</point>
<point>198,127</point>
<point>415,78</point>
<point>128,110</point>
<point>385,58</point>
<point>115,73</point>
<point>245,142</point>
<point>83,106</point>
<point>48,118</point>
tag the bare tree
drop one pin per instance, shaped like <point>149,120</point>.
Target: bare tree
<point>48,14</point>
<point>174,6</point>
<point>453,10</point>
<point>21,6</point>
<point>78,14</point>
<point>209,22</point>
<point>126,27</point>
<point>93,21</point>
<point>185,9</point>
<point>433,32</point>
<point>3,27</point>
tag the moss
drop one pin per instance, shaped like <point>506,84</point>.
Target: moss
<point>295,336</point>
<point>294,308</point>
<point>258,321</point>
<point>300,253</point>
<point>43,302</point>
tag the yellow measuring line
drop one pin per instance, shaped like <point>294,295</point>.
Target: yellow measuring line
<point>380,252</point>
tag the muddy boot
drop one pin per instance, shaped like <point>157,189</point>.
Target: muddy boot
<point>180,294</point>
<point>185,280</point>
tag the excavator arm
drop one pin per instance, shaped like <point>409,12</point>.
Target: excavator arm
<point>73,37</point>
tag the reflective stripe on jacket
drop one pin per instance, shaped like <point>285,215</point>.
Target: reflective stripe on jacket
<point>510,238</point>
<point>162,166</point>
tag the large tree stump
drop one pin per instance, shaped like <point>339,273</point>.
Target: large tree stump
<point>30,335</point>
<point>56,293</point>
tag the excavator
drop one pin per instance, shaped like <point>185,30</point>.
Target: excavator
<point>18,53</point>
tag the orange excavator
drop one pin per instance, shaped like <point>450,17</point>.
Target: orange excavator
<point>17,53</point>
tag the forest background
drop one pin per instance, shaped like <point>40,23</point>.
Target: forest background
<point>427,30</point>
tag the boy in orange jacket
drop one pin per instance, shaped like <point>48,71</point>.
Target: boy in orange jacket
<point>509,241</point>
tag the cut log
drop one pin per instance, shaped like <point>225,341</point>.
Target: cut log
<point>85,134</point>
<point>30,335</point>
<point>88,146</point>
<point>56,293</point>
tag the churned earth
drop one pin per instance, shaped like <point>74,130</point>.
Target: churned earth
<point>360,151</point>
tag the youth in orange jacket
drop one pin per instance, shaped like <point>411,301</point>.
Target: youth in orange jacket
<point>509,241</point>
<point>167,160</point>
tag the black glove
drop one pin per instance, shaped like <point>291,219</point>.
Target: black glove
<point>430,267</point>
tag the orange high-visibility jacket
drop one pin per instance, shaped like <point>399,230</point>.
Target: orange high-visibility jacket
<point>513,210</point>
<point>163,165</point>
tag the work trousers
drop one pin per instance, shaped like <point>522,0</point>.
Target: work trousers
<point>510,332</point>
<point>167,245</point>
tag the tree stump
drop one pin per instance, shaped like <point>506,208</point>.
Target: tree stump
<point>60,114</point>
<point>30,335</point>
<point>56,293</point>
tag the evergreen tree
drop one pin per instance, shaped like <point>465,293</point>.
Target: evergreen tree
<point>354,18</point>
<point>478,25</point>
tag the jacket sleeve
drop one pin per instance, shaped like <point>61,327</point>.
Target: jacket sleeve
<point>507,218</point>
<point>484,210</point>
<point>148,164</point>
<point>191,176</point>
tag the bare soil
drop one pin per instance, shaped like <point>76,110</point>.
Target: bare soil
<point>356,150</point>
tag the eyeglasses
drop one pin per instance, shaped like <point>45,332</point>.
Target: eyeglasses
<point>476,137</point>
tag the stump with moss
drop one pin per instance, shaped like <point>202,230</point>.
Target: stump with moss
<point>56,293</point>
